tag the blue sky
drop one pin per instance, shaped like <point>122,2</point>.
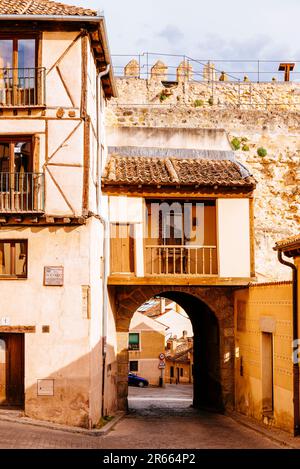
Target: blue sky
<point>230,29</point>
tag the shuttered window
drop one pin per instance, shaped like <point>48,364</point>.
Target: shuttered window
<point>13,259</point>
<point>134,341</point>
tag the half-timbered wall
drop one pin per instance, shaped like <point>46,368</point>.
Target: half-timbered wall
<point>69,349</point>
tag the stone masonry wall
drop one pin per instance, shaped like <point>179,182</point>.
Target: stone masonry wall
<point>274,127</point>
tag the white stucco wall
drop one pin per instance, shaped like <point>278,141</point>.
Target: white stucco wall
<point>71,352</point>
<point>233,227</point>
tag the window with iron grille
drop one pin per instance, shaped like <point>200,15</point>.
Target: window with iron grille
<point>134,341</point>
<point>13,259</point>
<point>133,365</point>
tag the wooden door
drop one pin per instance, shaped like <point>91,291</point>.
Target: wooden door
<point>122,248</point>
<point>12,369</point>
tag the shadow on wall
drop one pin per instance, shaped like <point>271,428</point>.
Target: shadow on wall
<point>77,396</point>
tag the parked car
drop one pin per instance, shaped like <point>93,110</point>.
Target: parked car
<point>135,380</point>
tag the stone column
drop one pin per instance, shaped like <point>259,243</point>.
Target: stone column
<point>209,72</point>
<point>159,71</point>
<point>122,376</point>
<point>184,71</point>
<point>132,69</point>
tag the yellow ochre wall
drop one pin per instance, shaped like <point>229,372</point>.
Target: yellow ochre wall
<point>152,343</point>
<point>264,308</point>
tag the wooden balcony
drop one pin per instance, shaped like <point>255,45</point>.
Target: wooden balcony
<point>191,260</point>
<point>22,87</point>
<point>22,193</point>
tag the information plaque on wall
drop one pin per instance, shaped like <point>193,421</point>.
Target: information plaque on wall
<point>54,276</point>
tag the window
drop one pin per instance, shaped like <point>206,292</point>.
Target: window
<point>133,365</point>
<point>18,185</point>
<point>181,372</point>
<point>172,371</point>
<point>16,155</point>
<point>18,72</point>
<point>134,341</point>
<point>13,259</point>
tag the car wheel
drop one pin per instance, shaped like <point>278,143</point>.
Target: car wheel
<point>141,384</point>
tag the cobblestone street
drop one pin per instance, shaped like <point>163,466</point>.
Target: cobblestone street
<point>158,418</point>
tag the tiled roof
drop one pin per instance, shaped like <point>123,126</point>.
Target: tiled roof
<point>288,242</point>
<point>139,170</point>
<point>42,7</point>
<point>180,356</point>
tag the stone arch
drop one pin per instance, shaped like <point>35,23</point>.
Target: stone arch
<point>216,312</point>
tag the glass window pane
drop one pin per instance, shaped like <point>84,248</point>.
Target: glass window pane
<point>5,260</point>
<point>133,365</point>
<point>26,53</point>
<point>6,53</point>
<point>4,157</point>
<point>133,338</point>
<point>133,341</point>
<point>6,64</point>
<point>16,266</point>
<point>20,259</point>
<point>22,156</point>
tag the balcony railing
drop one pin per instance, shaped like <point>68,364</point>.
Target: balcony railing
<point>181,260</point>
<point>22,87</point>
<point>22,192</point>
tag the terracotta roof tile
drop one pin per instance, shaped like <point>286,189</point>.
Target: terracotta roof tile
<point>42,7</point>
<point>138,170</point>
<point>288,242</point>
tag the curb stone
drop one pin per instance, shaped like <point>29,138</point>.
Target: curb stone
<point>64,428</point>
<point>278,436</point>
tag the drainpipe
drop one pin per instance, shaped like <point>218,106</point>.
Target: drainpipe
<point>105,224</point>
<point>295,338</point>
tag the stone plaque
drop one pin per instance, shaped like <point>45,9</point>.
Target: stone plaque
<point>54,276</point>
<point>45,387</point>
<point>267,324</point>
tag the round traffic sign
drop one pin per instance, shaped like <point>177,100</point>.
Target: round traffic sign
<point>161,356</point>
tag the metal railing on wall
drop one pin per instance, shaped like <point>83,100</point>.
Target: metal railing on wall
<point>181,260</point>
<point>257,71</point>
<point>22,87</point>
<point>22,192</point>
<point>246,81</point>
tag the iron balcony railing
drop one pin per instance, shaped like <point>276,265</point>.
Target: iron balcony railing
<point>22,192</point>
<point>22,87</point>
<point>181,260</point>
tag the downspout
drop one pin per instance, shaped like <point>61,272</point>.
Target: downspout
<point>295,338</point>
<point>105,224</point>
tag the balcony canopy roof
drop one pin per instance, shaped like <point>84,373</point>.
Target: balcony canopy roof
<point>289,246</point>
<point>172,167</point>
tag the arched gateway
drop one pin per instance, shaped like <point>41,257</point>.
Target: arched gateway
<point>181,226</point>
<point>211,313</point>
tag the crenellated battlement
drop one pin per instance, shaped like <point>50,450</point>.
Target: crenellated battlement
<point>203,85</point>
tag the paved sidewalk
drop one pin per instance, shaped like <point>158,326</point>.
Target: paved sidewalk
<point>159,418</point>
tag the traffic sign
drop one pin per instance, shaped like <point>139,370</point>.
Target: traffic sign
<point>162,364</point>
<point>161,356</point>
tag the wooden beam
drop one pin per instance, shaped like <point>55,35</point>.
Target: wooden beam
<point>17,329</point>
<point>178,280</point>
<point>173,192</point>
